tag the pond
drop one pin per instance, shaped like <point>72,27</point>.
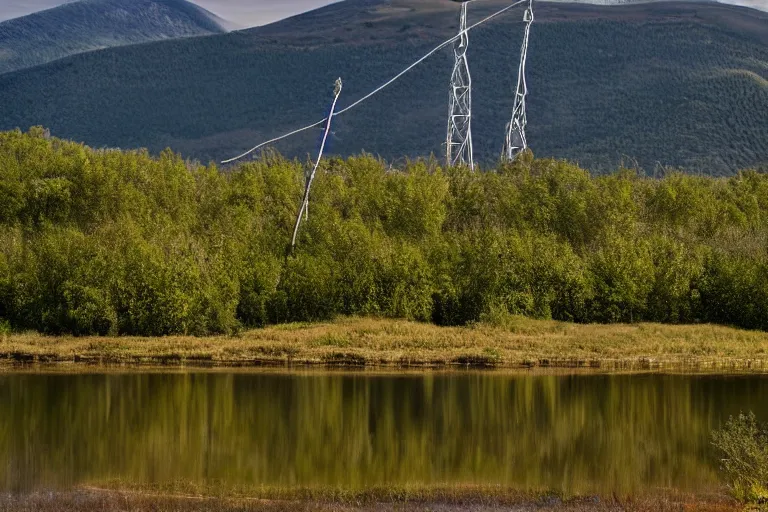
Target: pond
<point>583,433</point>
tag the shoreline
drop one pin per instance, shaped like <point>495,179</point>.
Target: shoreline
<point>447,500</point>
<point>396,346</point>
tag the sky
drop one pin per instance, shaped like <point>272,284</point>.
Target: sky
<point>243,13</point>
<point>246,13</point>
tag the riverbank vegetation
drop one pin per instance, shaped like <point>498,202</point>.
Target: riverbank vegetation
<point>517,342</point>
<point>743,443</point>
<point>116,242</point>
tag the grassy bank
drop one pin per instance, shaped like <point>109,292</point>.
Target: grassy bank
<point>513,342</point>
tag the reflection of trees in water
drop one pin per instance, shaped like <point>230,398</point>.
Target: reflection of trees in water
<point>575,433</point>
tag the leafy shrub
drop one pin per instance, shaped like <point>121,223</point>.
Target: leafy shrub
<point>733,291</point>
<point>115,242</point>
<point>5,327</point>
<point>257,287</point>
<point>744,446</point>
<point>89,310</point>
<point>309,289</point>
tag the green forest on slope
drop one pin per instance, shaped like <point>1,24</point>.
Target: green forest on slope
<point>108,241</point>
<point>662,84</point>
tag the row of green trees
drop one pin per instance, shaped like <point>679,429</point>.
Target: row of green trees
<point>115,241</point>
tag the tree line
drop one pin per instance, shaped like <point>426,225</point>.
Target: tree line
<point>121,242</point>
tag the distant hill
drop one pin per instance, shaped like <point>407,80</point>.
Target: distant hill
<point>755,4</point>
<point>93,24</point>
<point>676,84</point>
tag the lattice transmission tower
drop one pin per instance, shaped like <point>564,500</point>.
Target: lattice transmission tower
<point>459,139</point>
<point>516,142</point>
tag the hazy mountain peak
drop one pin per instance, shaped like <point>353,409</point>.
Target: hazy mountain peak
<point>755,4</point>
<point>94,24</point>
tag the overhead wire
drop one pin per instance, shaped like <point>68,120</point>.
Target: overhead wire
<point>383,86</point>
<point>309,127</point>
<point>428,55</point>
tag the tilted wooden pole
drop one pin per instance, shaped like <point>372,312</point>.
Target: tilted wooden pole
<point>308,184</point>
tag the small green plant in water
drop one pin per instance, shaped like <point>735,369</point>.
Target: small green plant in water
<point>743,442</point>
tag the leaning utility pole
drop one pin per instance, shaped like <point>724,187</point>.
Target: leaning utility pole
<point>311,176</point>
<point>459,139</point>
<point>516,142</point>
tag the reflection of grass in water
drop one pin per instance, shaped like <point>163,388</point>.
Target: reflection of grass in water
<point>448,500</point>
<point>426,497</point>
<point>501,340</point>
<point>376,494</point>
<point>575,434</point>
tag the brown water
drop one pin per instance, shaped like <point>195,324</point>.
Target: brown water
<point>575,433</point>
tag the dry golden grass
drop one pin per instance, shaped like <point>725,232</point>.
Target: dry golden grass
<point>519,342</point>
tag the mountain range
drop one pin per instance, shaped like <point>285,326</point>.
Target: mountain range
<point>94,24</point>
<point>681,84</point>
<point>755,4</point>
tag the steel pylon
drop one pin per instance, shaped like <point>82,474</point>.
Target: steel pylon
<point>459,139</point>
<point>516,142</point>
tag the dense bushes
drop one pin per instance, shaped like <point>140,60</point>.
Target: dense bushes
<point>109,242</point>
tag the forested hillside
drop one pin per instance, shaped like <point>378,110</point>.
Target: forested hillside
<point>93,24</point>
<point>120,242</point>
<point>652,85</point>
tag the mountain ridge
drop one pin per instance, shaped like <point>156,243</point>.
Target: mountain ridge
<point>88,25</point>
<point>672,84</point>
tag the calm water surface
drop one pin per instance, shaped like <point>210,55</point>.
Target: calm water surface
<point>577,433</point>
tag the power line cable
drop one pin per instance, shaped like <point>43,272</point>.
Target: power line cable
<point>428,55</point>
<point>383,86</point>
<point>319,123</point>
